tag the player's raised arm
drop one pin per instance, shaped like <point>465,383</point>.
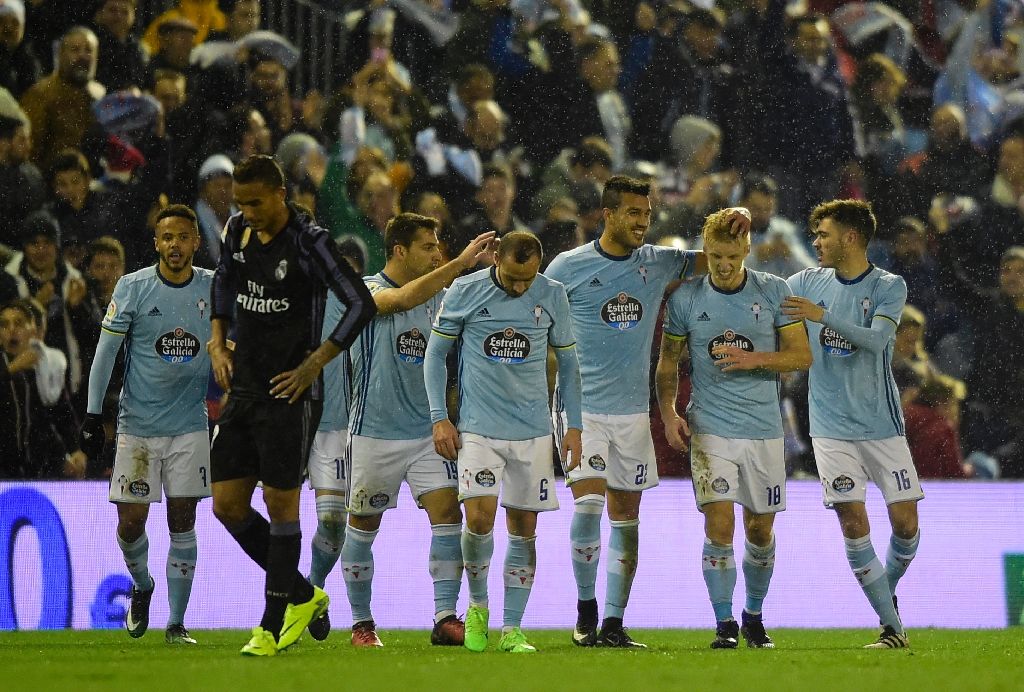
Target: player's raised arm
<point>422,289</point>
<point>667,386</point>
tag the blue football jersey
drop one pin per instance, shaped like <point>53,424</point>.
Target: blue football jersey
<point>853,395</point>
<point>166,327</point>
<point>337,374</point>
<point>740,404</point>
<point>503,345</point>
<point>390,398</point>
<point>614,304</point>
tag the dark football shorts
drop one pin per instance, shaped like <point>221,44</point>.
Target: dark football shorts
<point>268,439</point>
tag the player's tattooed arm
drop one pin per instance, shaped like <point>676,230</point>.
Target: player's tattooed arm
<point>794,353</point>
<point>667,382</point>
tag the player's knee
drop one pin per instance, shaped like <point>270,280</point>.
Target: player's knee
<point>229,513</point>
<point>758,532</point>
<point>331,524</point>
<point>904,523</point>
<point>131,528</point>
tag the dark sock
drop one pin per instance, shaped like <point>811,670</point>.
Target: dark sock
<point>284,544</point>
<point>253,535</point>
<point>611,624</point>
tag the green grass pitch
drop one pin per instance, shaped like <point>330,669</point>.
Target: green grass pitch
<point>677,660</point>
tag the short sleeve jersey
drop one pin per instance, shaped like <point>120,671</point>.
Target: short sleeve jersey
<point>390,397</point>
<point>739,404</point>
<point>853,395</point>
<point>337,374</point>
<point>165,327</point>
<point>614,303</point>
<point>503,344</point>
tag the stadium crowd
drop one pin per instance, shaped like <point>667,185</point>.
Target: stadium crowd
<point>498,115</point>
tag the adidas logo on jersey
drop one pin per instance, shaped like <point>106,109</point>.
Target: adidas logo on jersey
<point>821,304</point>
<point>155,312</point>
<point>483,313</point>
<point>596,282</point>
<point>703,317</point>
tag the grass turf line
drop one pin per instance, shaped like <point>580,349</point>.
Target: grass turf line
<point>678,659</point>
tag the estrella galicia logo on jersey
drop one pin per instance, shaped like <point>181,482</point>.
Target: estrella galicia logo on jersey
<point>282,270</point>
<point>178,346</point>
<point>139,488</point>
<point>485,478</point>
<point>597,462</point>
<point>622,312</point>
<point>720,485</point>
<point>842,484</point>
<point>507,346</point>
<point>835,344</point>
<point>411,346</point>
<point>729,338</point>
<point>379,500</point>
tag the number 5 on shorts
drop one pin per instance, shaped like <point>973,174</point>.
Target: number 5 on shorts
<point>543,489</point>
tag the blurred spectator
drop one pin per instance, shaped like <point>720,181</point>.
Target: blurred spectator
<point>590,161</point>
<point>38,429</point>
<point>243,17</point>
<point>913,260</point>
<point>177,37</point>
<point>205,15</point>
<point>17,173</point>
<point>379,116</point>
<point>269,93</point>
<point>377,203</point>
<point>492,208</point>
<point>932,421</point>
<point>122,59</point>
<point>777,246</point>
<point>41,274</point>
<point>19,67</point>
<point>638,50</point>
<point>60,106</point>
<point>472,83</point>
<point>82,212</point>
<point>909,350</point>
<point>214,207</point>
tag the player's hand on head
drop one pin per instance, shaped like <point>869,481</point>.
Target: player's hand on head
<point>479,250</point>
<point>739,221</point>
<point>572,447</point>
<point>446,440</point>
<point>92,436</point>
<point>676,433</point>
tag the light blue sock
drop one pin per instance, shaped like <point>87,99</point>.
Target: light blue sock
<point>136,559</point>
<point>520,568</point>
<point>872,578</point>
<point>901,553</point>
<point>329,537</point>
<point>181,568</point>
<point>585,539</point>
<point>720,576</point>
<point>623,547</point>
<point>357,564</point>
<point>477,550</point>
<point>445,568</point>
<point>758,565</point>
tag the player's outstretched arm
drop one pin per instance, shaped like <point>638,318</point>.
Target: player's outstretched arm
<point>435,378</point>
<point>794,353</point>
<point>874,338</point>
<point>92,436</point>
<point>571,388</point>
<point>419,291</point>
<point>666,383</point>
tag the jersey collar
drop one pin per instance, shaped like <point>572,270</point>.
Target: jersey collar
<point>388,279</point>
<point>613,258</point>
<point>743,284</point>
<point>855,280</point>
<point>171,283</point>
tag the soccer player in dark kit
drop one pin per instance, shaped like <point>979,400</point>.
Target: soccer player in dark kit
<point>276,266</point>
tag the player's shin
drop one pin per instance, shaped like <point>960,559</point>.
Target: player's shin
<point>136,559</point>
<point>477,551</point>
<point>520,568</point>
<point>357,564</point>
<point>585,539</point>
<point>719,566</point>
<point>283,550</point>
<point>181,567</point>
<point>445,567</point>
<point>899,556</point>
<point>329,537</point>
<point>758,565</point>
<point>623,548</point>
<point>872,578</point>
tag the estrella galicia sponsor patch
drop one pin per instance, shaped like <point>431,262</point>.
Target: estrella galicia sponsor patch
<point>507,346</point>
<point>835,344</point>
<point>379,500</point>
<point>178,346</point>
<point>842,484</point>
<point>597,462</point>
<point>622,312</point>
<point>485,478</point>
<point>720,485</point>
<point>729,338</point>
<point>139,488</point>
<point>410,346</point>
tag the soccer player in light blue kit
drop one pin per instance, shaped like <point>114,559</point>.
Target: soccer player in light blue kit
<point>505,318</point>
<point>390,428</point>
<point>739,341</point>
<point>161,315</point>
<point>615,287</point>
<point>852,309</point>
